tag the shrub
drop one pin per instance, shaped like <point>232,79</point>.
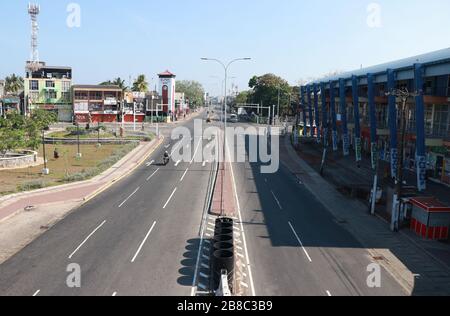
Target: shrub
<point>31,185</point>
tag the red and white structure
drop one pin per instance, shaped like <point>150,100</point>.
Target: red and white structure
<point>167,91</point>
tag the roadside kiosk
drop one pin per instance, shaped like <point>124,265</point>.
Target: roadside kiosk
<point>430,218</point>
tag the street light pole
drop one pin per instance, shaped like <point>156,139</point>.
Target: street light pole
<point>45,171</point>
<point>225,68</point>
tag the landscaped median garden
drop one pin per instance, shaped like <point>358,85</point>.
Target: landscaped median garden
<point>63,161</point>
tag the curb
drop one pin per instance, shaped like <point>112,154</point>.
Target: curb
<point>115,180</point>
<point>86,199</point>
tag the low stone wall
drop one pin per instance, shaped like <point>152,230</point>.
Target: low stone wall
<point>18,160</point>
<point>72,141</point>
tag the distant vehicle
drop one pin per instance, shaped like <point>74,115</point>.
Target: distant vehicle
<point>233,118</point>
<point>244,118</point>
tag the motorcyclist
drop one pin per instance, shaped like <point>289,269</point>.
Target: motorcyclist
<point>166,157</point>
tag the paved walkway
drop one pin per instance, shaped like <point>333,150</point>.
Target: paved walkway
<point>406,257</point>
<point>79,191</point>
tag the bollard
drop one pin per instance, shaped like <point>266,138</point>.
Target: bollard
<point>222,260</point>
<point>224,245</point>
<point>224,231</point>
<point>223,238</point>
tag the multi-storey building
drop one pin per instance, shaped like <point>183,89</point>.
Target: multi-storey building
<point>361,112</point>
<point>48,88</point>
<point>97,103</point>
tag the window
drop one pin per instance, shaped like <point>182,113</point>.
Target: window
<point>49,84</point>
<point>440,127</point>
<point>65,86</point>
<point>34,85</point>
<point>96,95</point>
<point>51,94</point>
<point>34,96</point>
<point>65,96</point>
<point>81,95</point>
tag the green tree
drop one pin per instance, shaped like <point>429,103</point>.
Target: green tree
<point>12,132</point>
<point>13,84</point>
<point>267,89</point>
<point>140,84</point>
<point>244,97</point>
<point>116,82</point>
<point>193,91</point>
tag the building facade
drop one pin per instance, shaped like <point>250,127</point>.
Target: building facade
<point>48,88</point>
<point>361,113</point>
<point>97,103</point>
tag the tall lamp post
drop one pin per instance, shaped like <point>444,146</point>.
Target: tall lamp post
<point>45,171</point>
<point>225,68</point>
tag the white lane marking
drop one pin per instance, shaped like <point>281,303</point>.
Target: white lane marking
<point>171,196</point>
<point>328,293</point>
<point>129,197</point>
<point>87,238</point>
<point>196,150</point>
<point>143,243</point>
<point>205,266</point>
<point>184,175</point>
<point>175,148</point>
<point>276,199</point>
<point>148,179</point>
<point>150,163</point>
<point>300,242</point>
<point>114,294</point>
<point>167,146</point>
<point>242,226</point>
<point>204,163</point>
<point>203,275</point>
<point>37,293</point>
<point>177,163</point>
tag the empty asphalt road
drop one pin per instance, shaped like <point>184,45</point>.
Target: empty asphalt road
<point>137,238</point>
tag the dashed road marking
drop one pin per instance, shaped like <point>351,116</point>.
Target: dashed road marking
<point>129,197</point>
<point>300,242</point>
<point>37,293</point>
<point>170,198</point>
<point>87,238</point>
<point>143,242</point>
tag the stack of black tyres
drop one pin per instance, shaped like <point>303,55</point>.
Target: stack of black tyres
<point>223,251</point>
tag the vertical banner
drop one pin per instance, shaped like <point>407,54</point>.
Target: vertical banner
<point>392,122</point>
<point>420,129</point>
<point>302,92</point>
<point>358,148</point>
<point>316,109</point>
<point>333,116</point>
<point>310,111</point>
<point>323,95</point>
<point>373,120</point>
<point>343,106</point>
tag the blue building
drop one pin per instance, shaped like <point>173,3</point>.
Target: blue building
<point>363,114</point>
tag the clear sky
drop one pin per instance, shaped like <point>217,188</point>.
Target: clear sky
<point>295,39</point>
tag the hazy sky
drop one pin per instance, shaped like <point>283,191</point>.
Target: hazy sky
<point>295,39</point>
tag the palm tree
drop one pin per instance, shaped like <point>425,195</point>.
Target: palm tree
<point>13,84</point>
<point>121,83</point>
<point>141,84</point>
<point>116,82</point>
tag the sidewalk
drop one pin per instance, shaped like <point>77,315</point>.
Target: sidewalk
<point>25,216</point>
<point>411,261</point>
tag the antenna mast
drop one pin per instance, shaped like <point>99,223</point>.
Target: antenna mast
<point>33,11</point>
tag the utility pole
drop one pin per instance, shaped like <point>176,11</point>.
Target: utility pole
<point>404,95</point>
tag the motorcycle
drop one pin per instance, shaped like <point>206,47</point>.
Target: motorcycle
<point>166,160</point>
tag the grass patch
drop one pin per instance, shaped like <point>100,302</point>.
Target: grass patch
<point>66,169</point>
